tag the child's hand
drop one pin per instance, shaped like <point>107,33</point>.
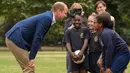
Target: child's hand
<point>74,57</point>
<point>80,55</point>
<point>99,62</point>
<point>102,70</point>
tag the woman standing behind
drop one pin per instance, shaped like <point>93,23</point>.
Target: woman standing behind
<point>101,7</point>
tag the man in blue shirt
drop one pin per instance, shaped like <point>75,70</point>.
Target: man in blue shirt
<point>115,52</point>
<point>28,34</point>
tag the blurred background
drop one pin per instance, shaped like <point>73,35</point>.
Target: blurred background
<point>12,11</point>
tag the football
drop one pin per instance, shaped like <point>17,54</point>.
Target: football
<point>79,61</point>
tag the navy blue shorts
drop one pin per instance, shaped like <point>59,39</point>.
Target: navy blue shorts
<point>93,58</point>
<point>120,63</point>
<point>76,67</point>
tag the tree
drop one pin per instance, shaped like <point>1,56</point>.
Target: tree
<point>12,11</point>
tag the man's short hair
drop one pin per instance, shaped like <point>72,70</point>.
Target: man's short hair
<point>59,6</point>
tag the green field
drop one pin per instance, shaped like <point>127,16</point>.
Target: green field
<point>46,62</point>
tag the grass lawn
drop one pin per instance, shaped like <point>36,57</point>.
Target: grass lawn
<point>46,62</point>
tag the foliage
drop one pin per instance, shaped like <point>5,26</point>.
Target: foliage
<point>12,11</point>
<point>124,14</point>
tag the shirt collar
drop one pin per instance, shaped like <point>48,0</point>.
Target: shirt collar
<point>53,20</point>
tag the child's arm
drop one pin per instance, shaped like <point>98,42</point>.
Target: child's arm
<point>86,35</point>
<point>68,45</point>
<point>67,40</point>
<point>99,62</point>
<point>83,48</point>
<point>84,45</point>
<point>72,54</point>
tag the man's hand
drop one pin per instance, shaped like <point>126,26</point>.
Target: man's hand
<point>31,64</point>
